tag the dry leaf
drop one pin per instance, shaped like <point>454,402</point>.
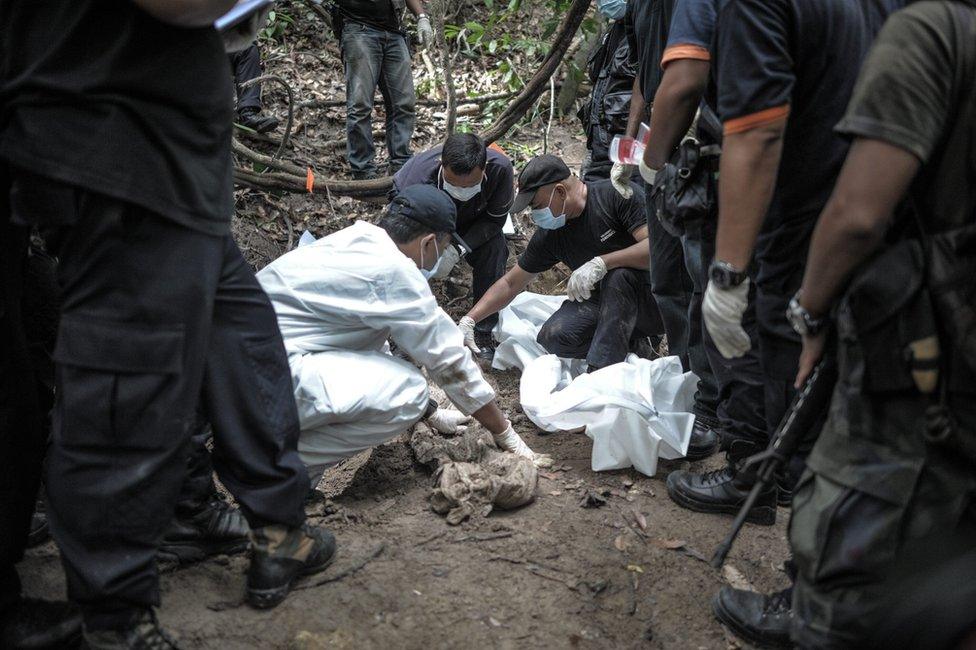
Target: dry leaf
<point>621,543</point>
<point>636,568</point>
<point>640,519</point>
<point>735,578</point>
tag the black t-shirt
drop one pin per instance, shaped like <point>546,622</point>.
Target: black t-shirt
<point>605,226</point>
<point>647,31</point>
<point>483,216</point>
<point>375,13</point>
<point>795,58</point>
<point>103,96</point>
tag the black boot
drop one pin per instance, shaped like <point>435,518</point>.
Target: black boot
<point>757,618</point>
<point>486,345</point>
<point>281,555</point>
<point>704,439</point>
<point>252,118</point>
<point>38,624</point>
<point>723,490</point>
<point>216,528</point>
<point>143,633</point>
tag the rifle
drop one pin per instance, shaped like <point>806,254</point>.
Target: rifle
<point>808,405</point>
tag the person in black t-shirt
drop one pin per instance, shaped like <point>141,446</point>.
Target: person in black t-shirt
<point>601,236</point>
<point>375,53</point>
<point>480,181</point>
<point>246,65</point>
<point>115,134</point>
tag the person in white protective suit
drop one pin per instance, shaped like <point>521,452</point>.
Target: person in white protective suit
<point>338,302</point>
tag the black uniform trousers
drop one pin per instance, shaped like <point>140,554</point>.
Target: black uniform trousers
<point>487,267</point>
<point>154,315</point>
<point>23,436</point>
<point>246,65</point>
<point>604,328</point>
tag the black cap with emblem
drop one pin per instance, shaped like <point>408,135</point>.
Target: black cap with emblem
<point>431,207</point>
<point>541,171</point>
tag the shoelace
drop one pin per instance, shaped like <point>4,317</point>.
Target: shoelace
<point>714,476</point>
<point>779,602</point>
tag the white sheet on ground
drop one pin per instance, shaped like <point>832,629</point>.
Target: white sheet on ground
<point>635,411</point>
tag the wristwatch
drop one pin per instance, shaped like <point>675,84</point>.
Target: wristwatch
<point>725,276</point>
<point>803,323</point>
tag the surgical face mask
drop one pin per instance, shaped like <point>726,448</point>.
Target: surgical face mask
<point>429,273</point>
<point>545,219</point>
<point>462,194</point>
<point>612,9</point>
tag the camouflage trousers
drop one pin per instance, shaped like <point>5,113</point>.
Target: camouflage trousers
<point>873,485</point>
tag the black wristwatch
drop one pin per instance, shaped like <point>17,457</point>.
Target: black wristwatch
<point>803,323</point>
<point>724,275</point>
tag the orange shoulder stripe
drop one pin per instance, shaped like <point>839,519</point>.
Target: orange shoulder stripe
<point>755,120</point>
<point>684,51</point>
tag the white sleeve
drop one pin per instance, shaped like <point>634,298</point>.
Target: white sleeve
<point>424,331</point>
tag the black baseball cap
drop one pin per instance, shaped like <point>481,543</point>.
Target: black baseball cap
<point>541,171</point>
<point>431,207</point>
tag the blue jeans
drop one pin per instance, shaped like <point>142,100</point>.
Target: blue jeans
<point>372,58</point>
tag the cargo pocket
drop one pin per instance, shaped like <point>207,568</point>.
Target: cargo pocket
<point>841,535</point>
<point>272,376</point>
<point>120,384</point>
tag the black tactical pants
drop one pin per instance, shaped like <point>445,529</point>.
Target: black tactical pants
<point>23,436</point>
<point>246,65</point>
<point>487,266</point>
<point>154,315</point>
<point>604,328</point>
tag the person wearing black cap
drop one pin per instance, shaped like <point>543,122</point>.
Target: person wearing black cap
<point>340,299</point>
<point>602,237</point>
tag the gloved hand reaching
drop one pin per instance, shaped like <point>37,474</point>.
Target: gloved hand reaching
<point>722,310</point>
<point>448,260</point>
<point>620,179</point>
<point>448,421</point>
<point>583,279</point>
<point>466,325</point>
<point>425,33</point>
<point>511,441</point>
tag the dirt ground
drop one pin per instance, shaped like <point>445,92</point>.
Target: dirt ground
<point>550,575</point>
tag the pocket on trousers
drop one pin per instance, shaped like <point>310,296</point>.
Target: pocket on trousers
<point>120,384</point>
<point>272,376</point>
<point>840,535</point>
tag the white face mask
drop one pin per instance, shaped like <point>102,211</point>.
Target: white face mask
<point>429,273</point>
<point>461,194</point>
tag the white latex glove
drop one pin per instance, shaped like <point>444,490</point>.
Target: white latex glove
<point>722,310</point>
<point>511,441</point>
<point>448,421</point>
<point>425,33</point>
<point>466,325</point>
<point>648,174</point>
<point>583,279</point>
<point>620,179</point>
<point>447,262</point>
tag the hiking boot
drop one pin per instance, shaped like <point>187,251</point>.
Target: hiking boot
<point>144,633</point>
<point>722,491</point>
<point>761,620</point>
<point>704,440</point>
<point>40,624</point>
<point>40,531</point>
<point>486,345</point>
<point>252,118</point>
<point>216,528</point>
<point>281,555</point>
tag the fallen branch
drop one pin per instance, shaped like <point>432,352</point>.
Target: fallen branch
<point>291,105</point>
<point>348,571</point>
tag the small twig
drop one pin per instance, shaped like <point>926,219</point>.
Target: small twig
<point>431,539</point>
<point>552,111</point>
<point>483,537</point>
<point>348,571</point>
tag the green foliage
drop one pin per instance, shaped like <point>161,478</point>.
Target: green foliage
<point>278,22</point>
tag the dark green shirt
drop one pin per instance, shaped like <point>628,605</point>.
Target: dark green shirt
<point>917,91</point>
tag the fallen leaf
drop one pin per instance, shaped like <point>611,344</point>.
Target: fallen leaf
<point>735,578</point>
<point>494,621</point>
<point>621,543</point>
<point>670,544</point>
<point>547,475</point>
<point>636,568</point>
<point>628,483</point>
<point>555,493</point>
<point>640,519</point>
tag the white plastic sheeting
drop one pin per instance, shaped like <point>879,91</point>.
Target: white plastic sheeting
<point>636,411</point>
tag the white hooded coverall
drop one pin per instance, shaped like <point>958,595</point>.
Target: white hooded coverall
<point>338,301</point>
